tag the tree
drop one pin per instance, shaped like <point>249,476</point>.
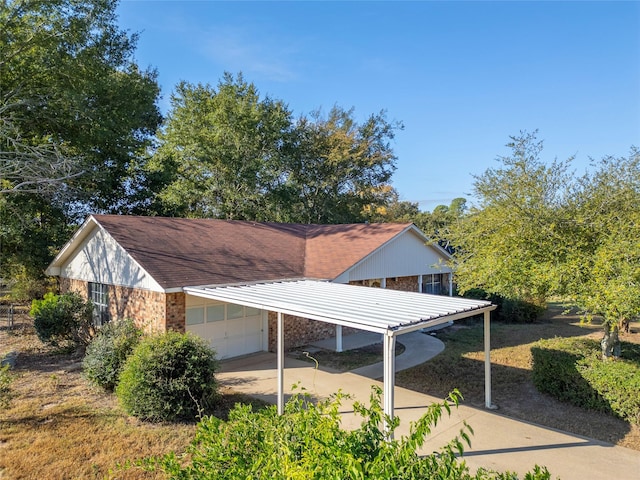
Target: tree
<point>511,243</point>
<point>602,274</point>
<point>339,170</point>
<point>76,116</point>
<point>229,153</point>
<point>222,151</point>
<point>540,231</point>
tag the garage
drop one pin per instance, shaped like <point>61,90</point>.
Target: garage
<point>232,330</point>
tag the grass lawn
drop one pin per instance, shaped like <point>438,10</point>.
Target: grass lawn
<point>59,427</point>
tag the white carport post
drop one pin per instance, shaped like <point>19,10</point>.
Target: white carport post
<point>338,338</point>
<point>280,364</point>
<point>487,361</point>
<point>389,375</point>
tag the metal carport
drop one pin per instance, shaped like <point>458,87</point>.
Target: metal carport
<point>388,312</point>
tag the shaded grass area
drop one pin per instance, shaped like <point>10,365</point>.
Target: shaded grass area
<point>344,361</point>
<point>59,427</point>
<point>461,365</point>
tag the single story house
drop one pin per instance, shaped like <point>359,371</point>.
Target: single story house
<point>147,268</point>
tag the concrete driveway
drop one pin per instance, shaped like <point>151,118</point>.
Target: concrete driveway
<point>499,442</point>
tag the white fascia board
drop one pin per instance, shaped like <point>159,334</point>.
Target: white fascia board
<point>430,242</point>
<point>78,240</point>
<point>441,320</point>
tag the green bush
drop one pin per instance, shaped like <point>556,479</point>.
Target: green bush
<point>108,351</point>
<point>168,377</point>
<point>571,370</point>
<point>510,310</point>
<point>307,442</point>
<point>63,320</point>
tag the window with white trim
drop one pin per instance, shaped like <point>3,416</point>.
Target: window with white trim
<point>435,283</point>
<point>99,295</point>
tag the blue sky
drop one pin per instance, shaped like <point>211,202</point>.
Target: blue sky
<point>461,76</point>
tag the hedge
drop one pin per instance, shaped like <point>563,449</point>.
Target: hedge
<point>571,370</point>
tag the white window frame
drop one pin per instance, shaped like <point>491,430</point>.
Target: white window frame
<point>99,296</point>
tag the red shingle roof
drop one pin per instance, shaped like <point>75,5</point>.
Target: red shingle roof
<point>178,252</point>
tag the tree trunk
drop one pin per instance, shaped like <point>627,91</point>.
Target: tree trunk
<point>610,342</point>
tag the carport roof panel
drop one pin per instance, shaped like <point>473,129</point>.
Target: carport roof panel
<point>365,308</point>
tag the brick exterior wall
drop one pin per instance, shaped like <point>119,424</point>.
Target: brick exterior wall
<point>405,284</point>
<point>176,311</point>
<point>151,311</point>
<point>300,331</point>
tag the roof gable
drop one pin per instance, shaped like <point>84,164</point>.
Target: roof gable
<point>332,249</point>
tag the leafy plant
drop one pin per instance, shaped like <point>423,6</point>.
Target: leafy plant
<point>108,351</point>
<point>510,310</point>
<point>168,377</point>
<point>63,320</point>
<point>570,370</point>
<point>5,386</point>
<point>307,442</point>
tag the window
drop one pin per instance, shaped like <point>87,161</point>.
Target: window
<point>195,315</point>
<point>234,311</point>
<point>98,294</point>
<point>433,283</point>
<point>215,313</point>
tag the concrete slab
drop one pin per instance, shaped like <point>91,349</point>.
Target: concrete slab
<point>419,347</point>
<point>350,342</point>
<point>499,442</point>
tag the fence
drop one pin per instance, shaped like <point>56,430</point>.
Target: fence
<point>6,314</point>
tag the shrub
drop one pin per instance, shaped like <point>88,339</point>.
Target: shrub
<point>510,310</point>
<point>571,370</point>
<point>63,320</point>
<point>5,385</point>
<point>107,352</point>
<point>168,377</point>
<point>307,442</point>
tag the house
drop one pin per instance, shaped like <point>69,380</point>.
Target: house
<point>141,268</point>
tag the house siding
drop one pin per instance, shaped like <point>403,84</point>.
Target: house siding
<point>101,260</point>
<point>405,256</point>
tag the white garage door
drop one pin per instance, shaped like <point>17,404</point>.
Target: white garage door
<point>232,330</point>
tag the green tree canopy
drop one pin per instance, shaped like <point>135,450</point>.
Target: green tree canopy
<point>602,272</point>
<point>228,153</point>
<point>510,243</point>
<point>222,151</point>
<point>540,231</point>
<point>338,170</point>
<point>76,118</point>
